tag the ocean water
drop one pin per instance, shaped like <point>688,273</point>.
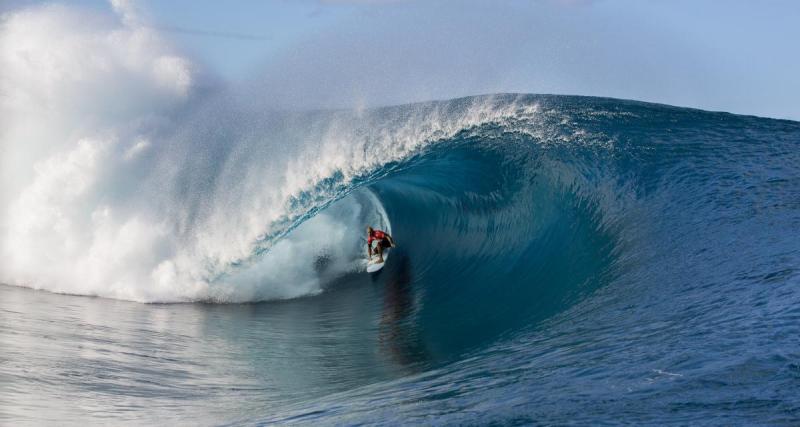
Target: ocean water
<point>560,260</point>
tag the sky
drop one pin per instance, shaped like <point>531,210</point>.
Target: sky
<point>725,55</point>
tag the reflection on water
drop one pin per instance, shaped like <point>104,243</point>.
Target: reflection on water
<point>398,333</point>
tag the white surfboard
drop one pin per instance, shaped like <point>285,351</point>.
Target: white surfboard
<point>373,265</point>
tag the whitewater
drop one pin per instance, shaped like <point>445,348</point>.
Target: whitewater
<point>560,259</point>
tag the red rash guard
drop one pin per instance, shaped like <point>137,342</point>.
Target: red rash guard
<point>376,235</point>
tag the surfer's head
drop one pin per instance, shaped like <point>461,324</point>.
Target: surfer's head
<point>369,230</point>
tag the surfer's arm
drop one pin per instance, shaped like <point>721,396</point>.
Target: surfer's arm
<point>391,240</point>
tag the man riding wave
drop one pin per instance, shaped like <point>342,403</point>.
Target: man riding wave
<point>384,240</point>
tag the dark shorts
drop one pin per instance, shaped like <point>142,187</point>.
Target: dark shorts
<point>384,244</point>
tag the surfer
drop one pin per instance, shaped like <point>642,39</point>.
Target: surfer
<point>384,240</point>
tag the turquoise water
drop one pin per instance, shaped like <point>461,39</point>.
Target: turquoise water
<point>571,260</point>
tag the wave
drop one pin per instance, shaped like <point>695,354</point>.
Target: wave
<point>130,174</point>
<point>568,248</point>
<point>212,209</point>
<point>558,257</point>
<point>211,197</point>
<point>235,205</point>
<point>131,177</point>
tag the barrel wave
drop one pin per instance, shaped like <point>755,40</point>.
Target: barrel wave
<point>559,259</point>
<point>579,248</point>
<point>176,249</point>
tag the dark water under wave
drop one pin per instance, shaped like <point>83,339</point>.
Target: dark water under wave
<point>596,261</point>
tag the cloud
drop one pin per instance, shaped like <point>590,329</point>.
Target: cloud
<point>128,11</point>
